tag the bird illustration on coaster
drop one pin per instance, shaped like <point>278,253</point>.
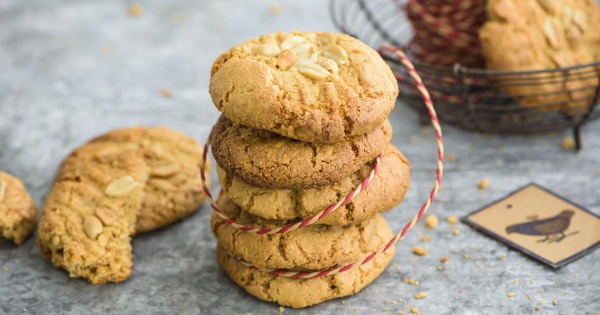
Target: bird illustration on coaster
<point>546,227</point>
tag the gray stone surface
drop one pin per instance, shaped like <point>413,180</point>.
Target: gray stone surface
<point>70,70</point>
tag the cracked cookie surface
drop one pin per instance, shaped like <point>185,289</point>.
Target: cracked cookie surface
<point>298,293</point>
<point>89,216</point>
<point>544,34</point>
<point>288,84</point>
<point>385,192</point>
<point>17,209</point>
<point>308,248</point>
<point>173,190</point>
<point>267,160</point>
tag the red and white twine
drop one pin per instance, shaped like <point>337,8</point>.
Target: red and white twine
<point>386,49</point>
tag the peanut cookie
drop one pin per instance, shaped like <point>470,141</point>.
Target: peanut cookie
<point>267,160</point>
<point>90,214</point>
<point>298,293</point>
<point>17,210</point>
<point>173,190</point>
<point>308,248</point>
<point>544,34</point>
<point>310,86</point>
<point>383,193</point>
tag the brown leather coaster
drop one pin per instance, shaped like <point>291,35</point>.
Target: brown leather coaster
<point>541,224</point>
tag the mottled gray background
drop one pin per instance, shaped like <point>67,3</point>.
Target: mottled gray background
<point>70,70</point>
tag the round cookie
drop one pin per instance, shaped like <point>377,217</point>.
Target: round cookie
<point>298,293</point>
<point>173,189</point>
<point>383,193</point>
<point>267,160</point>
<point>17,209</point>
<point>310,86</point>
<point>308,248</point>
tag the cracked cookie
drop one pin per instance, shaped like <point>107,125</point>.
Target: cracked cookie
<point>311,86</point>
<point>544,34</point>
<point>268,160</point>
<point>309,248</point>
<point>173,190</point>
<point>298,293</point>
<point>90,214</point>
<point>385,192</point>
<point>17,209</point>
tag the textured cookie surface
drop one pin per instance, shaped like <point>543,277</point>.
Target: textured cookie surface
<point>309,248</point>
<point>544,34</point>
<point>298,293</point>
<point>383,193</point>
<point>90,214</point>
<point>311,86</point>
<point>17,209</point>
<point>173,190</point>
<point>265,159</point>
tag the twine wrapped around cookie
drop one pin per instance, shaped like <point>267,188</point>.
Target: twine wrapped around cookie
<point>289,227</point>
<point>439,173</point>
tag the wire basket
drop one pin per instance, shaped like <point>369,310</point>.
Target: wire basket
<point>486,101</point>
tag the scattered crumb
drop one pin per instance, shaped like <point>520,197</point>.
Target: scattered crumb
<point>484,136</point>
<point>419,251</point>
<point>431,221</point>
<point>426,239</point>
<point>452,219</point>
<point>414,310</point>
<point>165,93</point>
<point>396,267</point>
<point>568,143</point>
<point>456,297</point>
<point>466,256</point>
<point>502,257</point>
<point>537,308</point>
<point>412,260</point>
<point>355,308</point>
<point>410,281</point>
<point>483,184</point>
<point>491,265</point>
<point>274,9</point>
<point>281,309</point>
<point>426,130</point>
<point>530,297</point>
<point>420,295</point>
<point>456,232</point>
<point>105,49</point>
<point>510,294</point>
<point>135,10</point>
<point>5,269</point>
<point>575,276</point>
<point>444,260</point>
<point>451,157</point>
<point>554,302</point>
<point>440,268</point>
<point>413,139</point>
<point>556,285</point>
<point>531,281</point>
<point>385,309</point>
<point>540,291</point>
<point>394,303</point>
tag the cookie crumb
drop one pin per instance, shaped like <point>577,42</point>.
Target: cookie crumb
<point>537,308</point>
<point>530,297</point>
<point>456,297</point>
<point>281,309</point>
<point>502,257</point>
<point>540,291</point>
<point>274,9</point>
<point>426,239</point>
<point>554,302</point>
<point>452,219</point>
<point>135,10</point>
<point>420,251</point>
<point>491,265</point>
<point>483,184</point>
<point>5,269</point>
<point>439,268</point>
<point>575,276</point>
<point>568,143</point>
<point>385,309</point>
<point>510,294</point>
<point>420,295</point>
<point>431,221</point>
<point>414,310</point>
<point>451,157</point>
<point>466,256</point>
<point>456,232</point>
<point>166,93</point>
<point>410,281</point>
<point>444,260</point>
<point>105,49</point>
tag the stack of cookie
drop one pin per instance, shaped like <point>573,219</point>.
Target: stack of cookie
<point>125,182</point>
<point>304,118</point>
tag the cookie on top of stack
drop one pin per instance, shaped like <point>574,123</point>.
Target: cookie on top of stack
<point>304,118</point>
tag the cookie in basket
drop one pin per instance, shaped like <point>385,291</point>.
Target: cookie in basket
<point>268,160</point>
<point>309,248</point>
<point>385,191</point>
<point>311,86</point>
<point>544,34</point>
<point>17,209</point>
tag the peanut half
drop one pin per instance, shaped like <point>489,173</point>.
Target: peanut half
<point>3,186</point>
<point>92,226</point>
<point>120,186</point>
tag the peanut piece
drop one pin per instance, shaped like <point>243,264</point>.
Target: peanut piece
<point>313,71</point>
<point>92,226</point>
<point>3,186</point>
<point>292,42</point>
<point>165,170</point>
<point>336,53</point>
<point>162,184</point>
<point>287,59</point>
<point>120,186</point>
<point>268,49</point>
<point>329,65</point>
<point>107,216</point>
<point>548,30</point>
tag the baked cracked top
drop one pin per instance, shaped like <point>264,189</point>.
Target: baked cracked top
<point>310,86</point>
